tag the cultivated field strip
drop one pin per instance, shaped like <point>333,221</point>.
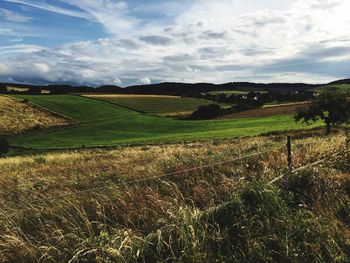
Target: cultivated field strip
<point>18,117</point>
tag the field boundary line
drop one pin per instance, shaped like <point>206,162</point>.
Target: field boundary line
<point>42,107</point>
<point>109,102</point>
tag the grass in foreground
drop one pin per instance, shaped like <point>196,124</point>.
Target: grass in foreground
<point>17,117</point>
<point>227,213</point>
<point>103,123</point>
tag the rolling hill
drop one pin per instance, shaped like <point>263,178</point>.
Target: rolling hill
<point>104,124</point>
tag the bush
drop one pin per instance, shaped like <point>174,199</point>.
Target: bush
<point>4,146</point>
<point>211,111</point>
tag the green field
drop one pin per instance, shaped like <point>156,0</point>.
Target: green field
<point>102,123</point>
<point>235,92</point>
<point>343,88</point>
<point>155,104</point>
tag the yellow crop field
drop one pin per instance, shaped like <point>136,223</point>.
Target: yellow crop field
<point>17,117</point>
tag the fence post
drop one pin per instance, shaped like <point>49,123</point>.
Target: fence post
<point>289,149</point>
<point>347,141</point>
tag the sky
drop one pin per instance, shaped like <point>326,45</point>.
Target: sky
<point>99,42</point>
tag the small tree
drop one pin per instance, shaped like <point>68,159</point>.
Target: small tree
<point>4,145</point>
<point>331,107</point>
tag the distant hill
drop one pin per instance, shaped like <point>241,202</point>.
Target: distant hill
<point>170,88</point>
<point>173,88</point>
<point>340,82</point>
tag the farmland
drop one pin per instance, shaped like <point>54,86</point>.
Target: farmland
<point>268,111</point>
<point>155,104</point>
<point>17,117</point>
<point>343,88</point>
<point>104,124</point>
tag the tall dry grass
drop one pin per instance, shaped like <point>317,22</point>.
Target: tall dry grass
<point>17,117</point>
<point>74,206</point>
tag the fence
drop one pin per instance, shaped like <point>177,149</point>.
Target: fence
<point>290,167</point>
<point>288,149</point>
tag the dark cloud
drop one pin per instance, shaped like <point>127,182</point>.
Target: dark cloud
<point>157,40</point>
<point>319,51</point>
<point>179,58</point>
<point>214,52</point>
<point>129,44</point>
<point>318,60</point>
<point>213,35</point>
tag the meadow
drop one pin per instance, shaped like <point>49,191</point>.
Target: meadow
<point>155,104</point>
<point>105,124</point>
<point>343,88</point>
<point>79,206</point>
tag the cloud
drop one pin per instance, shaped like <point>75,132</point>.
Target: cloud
<point>157,40</point>
<point>112,14</point>
<point>145,81</point>
<point>51,8</point>
<point>214,35</point>
<point>18,49</point>
<point>202,41</point>
<point>13,16</point>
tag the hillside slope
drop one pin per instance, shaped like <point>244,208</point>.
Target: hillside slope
<point>17,117</point>
<point>105,124</point>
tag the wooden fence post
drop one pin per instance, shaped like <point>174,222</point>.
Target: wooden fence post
<point>347,141</point>
<point>289,149</point>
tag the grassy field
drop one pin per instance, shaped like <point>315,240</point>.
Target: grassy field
<point>235,92</point>
<point>155,104</point>
<point>103,123</point>
<point>343,88</point>
<point>75,206</point>
<point>18,117</point>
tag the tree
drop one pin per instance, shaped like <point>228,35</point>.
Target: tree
<point>3,88</point>
<point>331,107</point>
<point>4,145</point>
<point>211,111</point>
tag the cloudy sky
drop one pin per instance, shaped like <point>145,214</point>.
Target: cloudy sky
<point>95,42</point>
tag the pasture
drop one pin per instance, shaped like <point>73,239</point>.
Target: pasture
<point>342,88</point>
<point>155,104</point>
<point>105,124</point>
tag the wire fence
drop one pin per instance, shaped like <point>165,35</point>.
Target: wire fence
<point>227,161</point>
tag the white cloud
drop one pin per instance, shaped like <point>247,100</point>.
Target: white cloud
<point>16,49</point>
<point>207,41</point>
<point>51,8</point>
<point>42,67</point>
<point>145,81</point>
<point>112,14</point>
<point>13,16</point>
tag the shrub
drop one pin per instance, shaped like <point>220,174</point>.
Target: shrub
<point>211,111</point>
<point>4,146</point>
